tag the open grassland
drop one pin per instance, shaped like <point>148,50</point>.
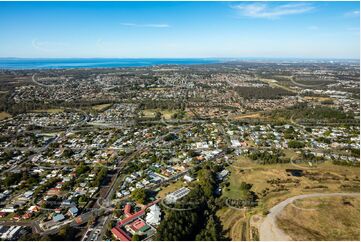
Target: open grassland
<point>274,83</point>
<point>151,113</point>
<point>318,99</point>
<point>4,115</point>
<point>273,184</point>
<point>336,218</point>
<point>171,188</point>
<point>101,107</point>
<point>159,89</point>
<point>247,116</point>
<point>234,223</point>
<point>50,110</point>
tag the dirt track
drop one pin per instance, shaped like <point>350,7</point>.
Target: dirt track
<point>269,230</point>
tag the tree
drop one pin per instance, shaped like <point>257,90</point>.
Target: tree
<point>100,177</point>
<point>158,115</point>
<point>67,153</point>
<point>245,186</point>
<point>207,181</point>
<point>213,231</point>
<point>91,220</point>
<point>65,233</point>
<point>200,221</point>
<point>308,129</point>
<point>140,195</point>
<point>171,136</point>
<point>12,178</point>
<point>295,144</point>
<point>81,169</point>
<point>136,237</point>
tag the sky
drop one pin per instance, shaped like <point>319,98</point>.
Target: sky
<point>180,29</point>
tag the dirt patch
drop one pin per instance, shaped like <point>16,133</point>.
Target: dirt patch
<point>102,107</point>
<point>234,222</point>
<point>251,116</point>
<point>332,218</point>
<point>4,115</point>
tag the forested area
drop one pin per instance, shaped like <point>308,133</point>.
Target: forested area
<point>17,108</point>
<point>269,157</point>
<point>66,233</point>
<point>162,104</point>
<point>200,221</point>
<point>262,92</point>
<point>303,111</point>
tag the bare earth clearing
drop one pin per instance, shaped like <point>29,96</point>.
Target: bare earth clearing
<point>269,229</point>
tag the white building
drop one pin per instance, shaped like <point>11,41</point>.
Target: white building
<point>221,175</point>
<point>174,196</point>
<point>154,215</point>
<point>235,143</point>
<point>188,178</point>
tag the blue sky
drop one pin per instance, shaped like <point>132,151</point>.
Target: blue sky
<point>180,29</point>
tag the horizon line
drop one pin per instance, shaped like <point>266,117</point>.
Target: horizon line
<point>234,58</point>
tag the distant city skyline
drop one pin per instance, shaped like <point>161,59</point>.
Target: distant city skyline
<point>180,29</point>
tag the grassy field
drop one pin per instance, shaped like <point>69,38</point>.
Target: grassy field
<point>318,99</point>
<point>247,116</point>
<point>50,134</point>
<point>50,110</point>
<point>161,89</point>
<point>166,113</point>
<point>273,184</point>
<point>234,223</point>
<point>274,83</point>
<point>336,218</point>
<point>4,115</point>
<point>171,188</point>
<point>101,107</point>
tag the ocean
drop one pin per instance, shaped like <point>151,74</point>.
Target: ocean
<point>66,63</point>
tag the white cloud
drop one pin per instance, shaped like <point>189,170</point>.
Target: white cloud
<point>265,10</point>
<point>146,25</point>
<point>354,13</point>
<point>48,46</point>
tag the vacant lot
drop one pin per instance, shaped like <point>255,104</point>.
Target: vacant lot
<point>4,115</point>
<point>247,116</point>
<point>318,99</point>
<point>234,223</point>
<point>151,113</point>
<point>274,83</point>
<point>171,188</point>
<point>327,218</point>
<point>273,184</point>
<point>50,110</point>
<point>101,107</point>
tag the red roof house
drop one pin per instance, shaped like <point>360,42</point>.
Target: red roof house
<point>127,210</point>
<point>120,234</point>
<point>27,215</point>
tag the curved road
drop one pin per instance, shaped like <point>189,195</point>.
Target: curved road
<point>45,85</point>
<point>269,230</point>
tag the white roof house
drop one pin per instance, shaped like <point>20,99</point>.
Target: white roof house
<point>235,143</point>
<point>221,175</point>
<point>188,178</point>
<point>28,194</point>
<point>154,215</point>
<point>174,196</point>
